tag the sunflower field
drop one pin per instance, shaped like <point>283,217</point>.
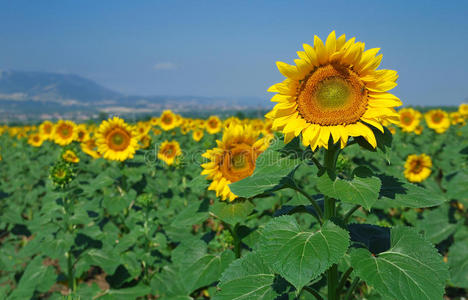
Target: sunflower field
<point>335,195</point>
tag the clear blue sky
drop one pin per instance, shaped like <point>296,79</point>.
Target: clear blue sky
<point>229,48</point>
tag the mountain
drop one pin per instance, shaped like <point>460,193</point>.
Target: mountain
<point>26,95</point>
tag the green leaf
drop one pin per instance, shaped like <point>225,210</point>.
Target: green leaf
<point>411,269</point>
<point>300,256</point>
<point>363,189</point>
<point>232,212</point>
<point>436,225</point>
<point>273,170</point>
<point>247,278</point>
<point>458,264</point>
<point>107,260</point>
<point>36,277</point>
<point>399,193</point>
<point>206,270</point>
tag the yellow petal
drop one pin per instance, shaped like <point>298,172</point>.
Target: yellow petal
<point>288,70</point>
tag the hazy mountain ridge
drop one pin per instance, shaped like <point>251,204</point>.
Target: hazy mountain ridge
<point>43,93</point>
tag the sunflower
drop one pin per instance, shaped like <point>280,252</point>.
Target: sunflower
<point>463,110</point>
<point>409,119</point>
<point>35,140</point>
<point>46,130</point>
<point>70,156</point>
<point>89,147</point>
<point>64,132</point>
<point>418,130</point>
<point>197,135</point>
<point>154,121</point>
<point>457,118</point>
<point>116,140</point>
<point>417,167</point>
<point>233,159</point>
<point>167,121</point>
<point>61,174</point>
<point>438,120</point>
<point>169,151</point>
<point>144,141</point>
<point>156,131</point>
<point>82,133</point>
<point>142,129</point>
<point>213,125</point>
<point>334,90</point>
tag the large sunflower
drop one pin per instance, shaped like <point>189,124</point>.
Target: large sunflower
<point>438,120</point>
<point>409,119</point>
<point>64,132</point>
<point>116,140</point>
<point>169,151</point>
<point>417,167</point>
<point>233,159</point>
<point>334,90</point>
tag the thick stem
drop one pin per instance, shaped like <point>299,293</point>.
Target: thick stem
<point>330,211</point>
<point>71,277</point>
<point>237,240</point>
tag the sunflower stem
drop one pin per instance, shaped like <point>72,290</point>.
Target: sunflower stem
<point>331,155</point>
<point>350,213</point>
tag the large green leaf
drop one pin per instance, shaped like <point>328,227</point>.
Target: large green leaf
<point>410,270</point>
<point>301,255</point>
<point>248,278</point>
<point>273,171</point>
<point>400,193</point>
<point>363,189</point>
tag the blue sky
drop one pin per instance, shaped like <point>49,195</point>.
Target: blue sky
<point>229,48</point>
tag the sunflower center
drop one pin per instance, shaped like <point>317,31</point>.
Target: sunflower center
<point>167,119</point>
<point>437,117</point>
<point>47,128</point>
<point>118,139</point>
<point>65,131</point>
<point>417,166</point>
<point>406,119</point>
<point>60,174</point>
<point>238,163</point>
<point>332,95</point>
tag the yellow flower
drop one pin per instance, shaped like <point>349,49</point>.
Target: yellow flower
<point>463,110</point>
<point>116,140</point>
<point>35,140</point>
<point>81,133</point>
<point>437,120</point>
<point>213,125</point>
<point>333,91</point>
<point>233,159</point>
<point>169,151</point>
<point>417,167</point>
<point>167,121</point>
<point>156,131</point>
<point>64,132</point>
<point>46,130</point>
<point>154,121</point>
<point>197,135</point>
<point>142,129</point>
<point>144,141</point>
<point>70,156</point>
<point>409,119</point>
<point>89,147</point>
<point>457,118</point>
<point>418,130</point>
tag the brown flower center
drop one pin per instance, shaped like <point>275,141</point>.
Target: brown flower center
<point>238,163</point>
<point>332,95</point>
<point>118,139</point>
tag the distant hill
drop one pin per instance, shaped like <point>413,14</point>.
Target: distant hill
<point>30,94</point>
